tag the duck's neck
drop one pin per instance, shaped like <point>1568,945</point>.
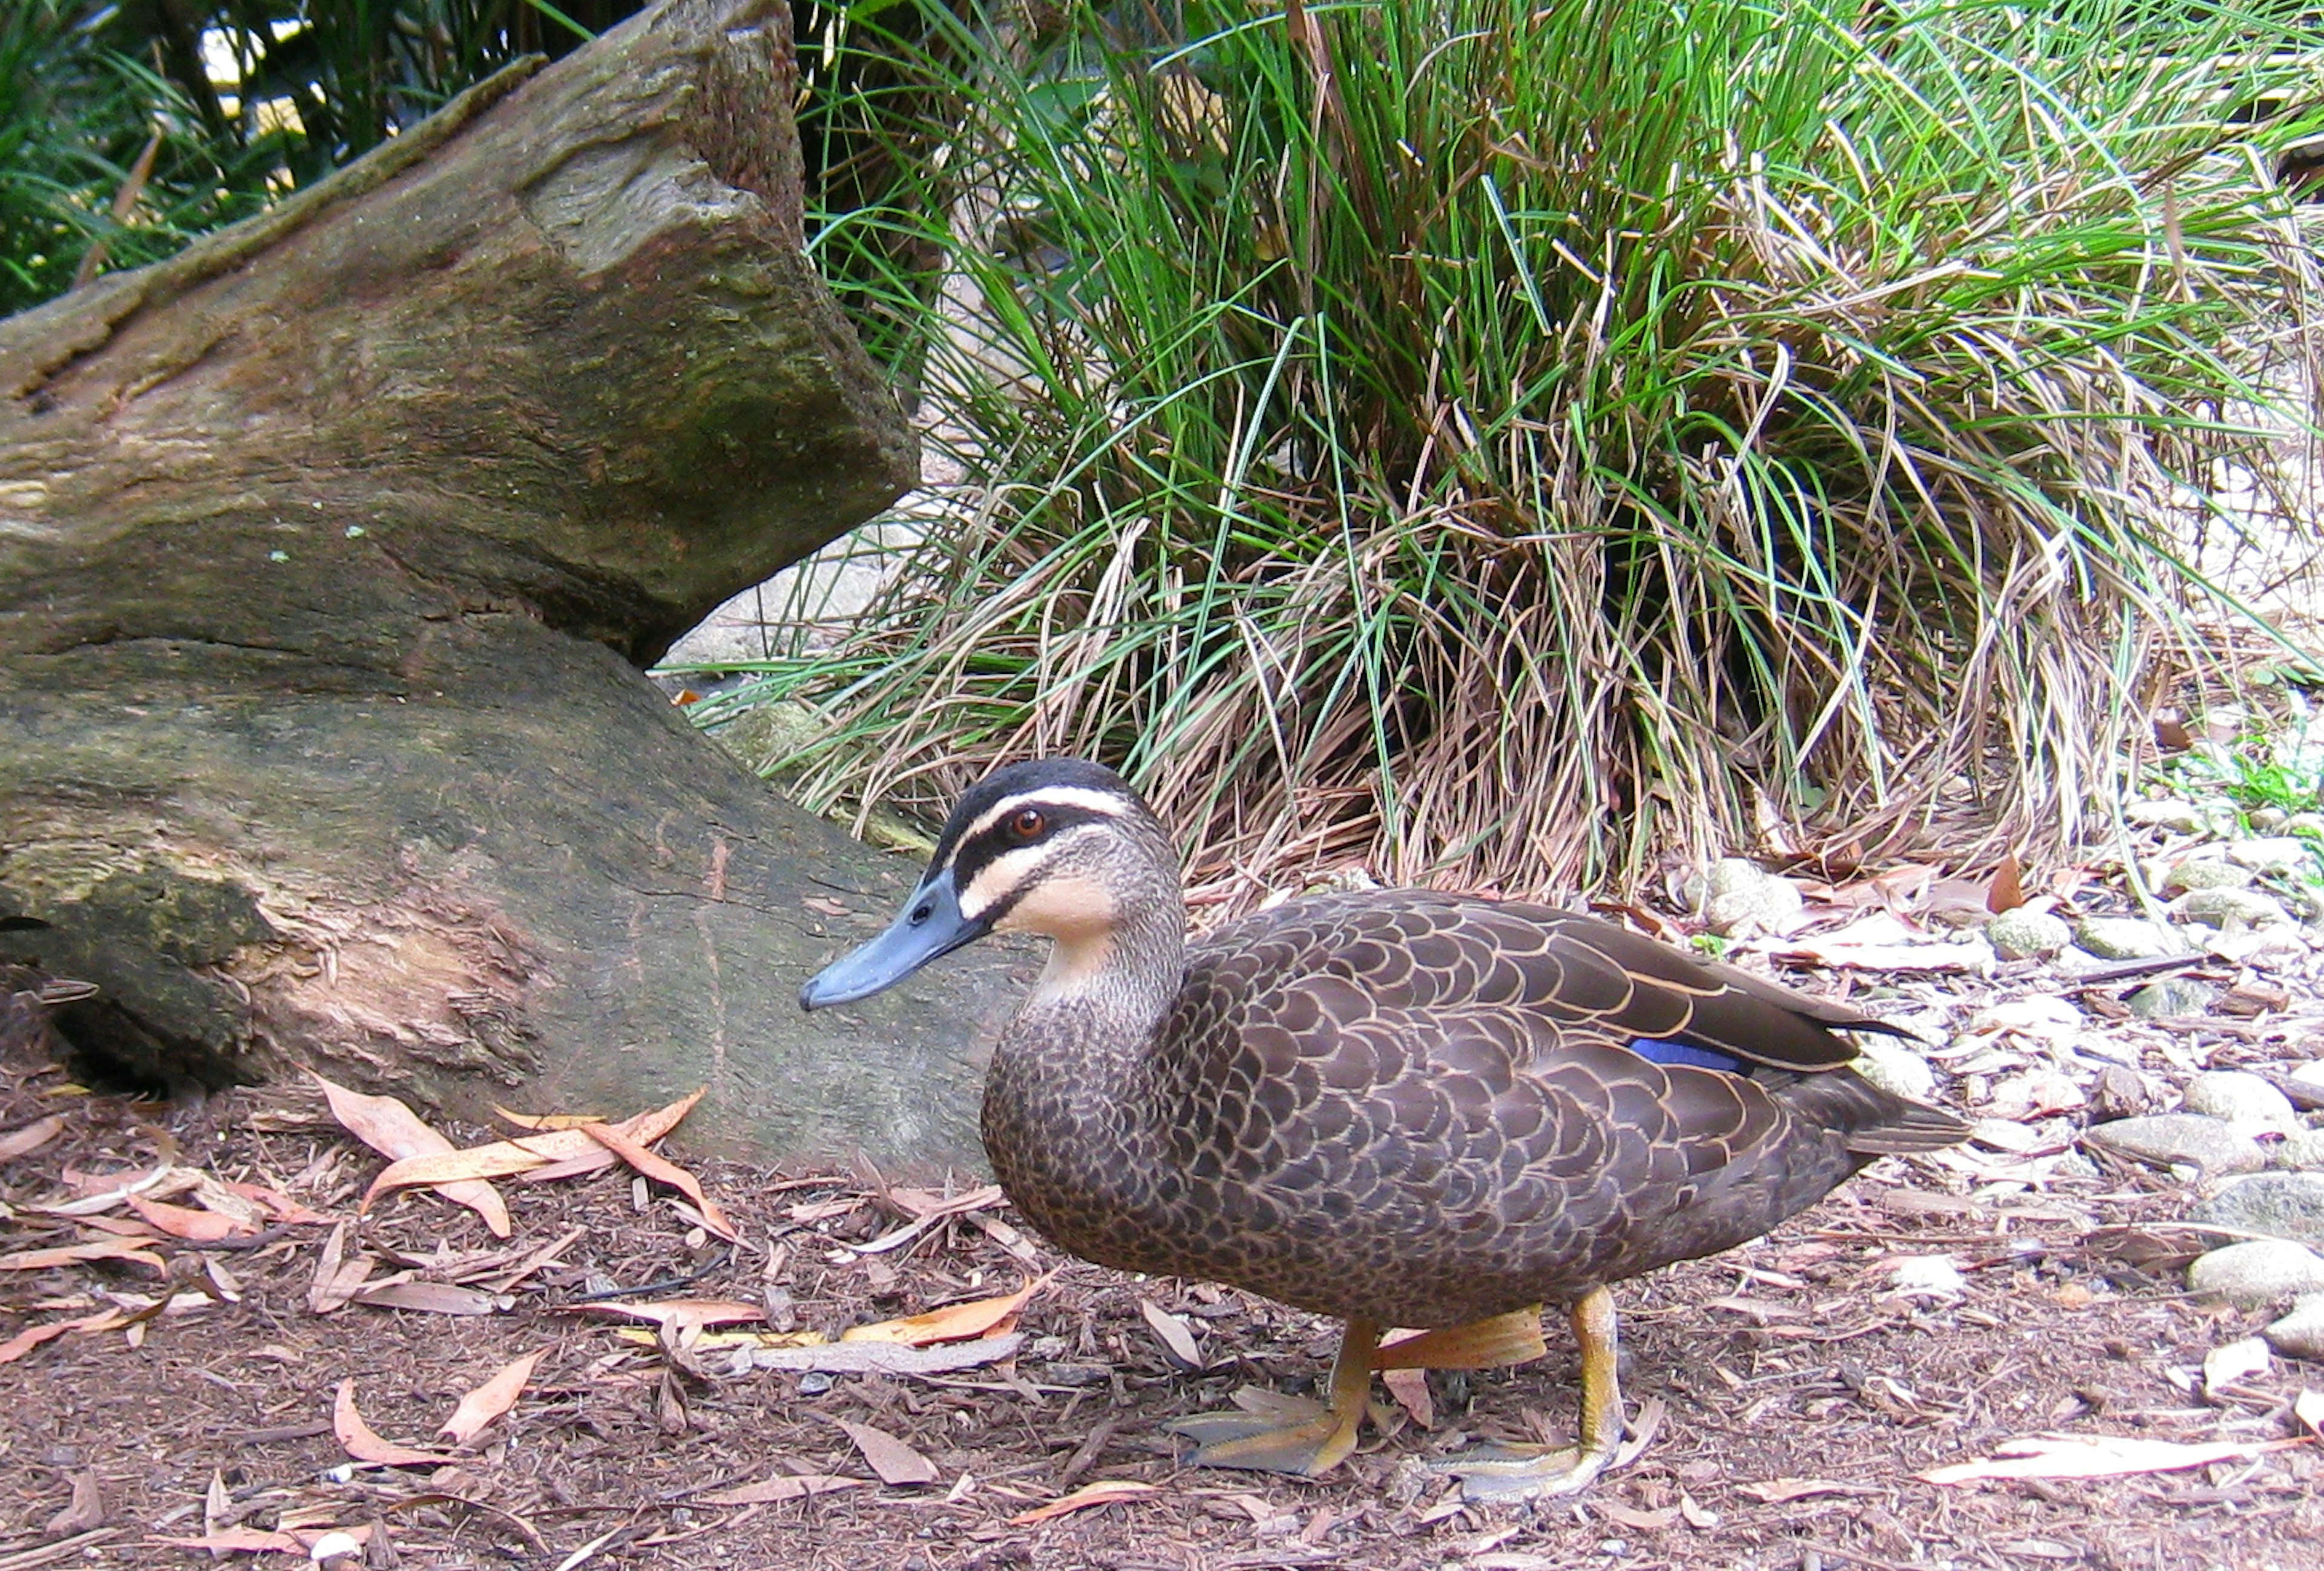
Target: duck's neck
<point>1093,1013</point>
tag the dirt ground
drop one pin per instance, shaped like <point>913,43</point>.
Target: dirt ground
<point>1800,1388</point>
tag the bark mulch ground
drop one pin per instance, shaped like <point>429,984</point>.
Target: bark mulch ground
<point>1802,1384</point>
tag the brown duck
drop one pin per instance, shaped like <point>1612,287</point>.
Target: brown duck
<point>1399,1108</point>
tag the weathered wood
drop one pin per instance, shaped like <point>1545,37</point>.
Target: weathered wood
<point>327,553</point>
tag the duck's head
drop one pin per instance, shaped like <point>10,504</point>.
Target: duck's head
<point>1056,846</point>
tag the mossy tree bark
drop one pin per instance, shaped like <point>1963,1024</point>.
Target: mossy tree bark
<point>329,552</point>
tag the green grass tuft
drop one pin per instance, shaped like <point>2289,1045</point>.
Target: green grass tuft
<point>1513,445</point>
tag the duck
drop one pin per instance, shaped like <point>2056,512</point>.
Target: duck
<point>1399,1108</point>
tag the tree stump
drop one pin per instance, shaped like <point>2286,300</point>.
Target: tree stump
<point>329,551</point>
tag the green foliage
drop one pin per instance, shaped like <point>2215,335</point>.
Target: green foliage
<point>76,117</point>
<point>86,84</point>
<point>1506,443</point>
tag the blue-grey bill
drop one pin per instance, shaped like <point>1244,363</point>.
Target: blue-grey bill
<point>929,925</point>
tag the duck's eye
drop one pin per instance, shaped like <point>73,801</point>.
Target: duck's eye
<point>1026,823</point>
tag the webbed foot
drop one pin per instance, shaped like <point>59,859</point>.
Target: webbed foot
<point>1511,1472</point>
<point>1280,1434</point>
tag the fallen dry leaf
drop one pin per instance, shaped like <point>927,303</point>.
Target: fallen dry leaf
<point>539,1121</point>
<point>240,1540</point>
<point>1879,942</point>
<point>1777,1490</point>
<point>41,1259</point>
<point>1104,1491</point>
<point>888,1357</point>
<point>679,1314</point>
<point>2007,890</point>
<point>952,1323</point>
<point>772,1491</point>
<point>281,1206</point>
<point>364,1444</point>
<point>491,1400</point>
<point>31,1337</point>
<point>894,1461</point>
<point>1177,1341</point>
<point>662,1169</point>
<point>85,1511</point>
<point>32,1137</point>
<point>336,1278</point>
<point>928,1210</point>
<point>428,1298</point>
<point>1625,1516</point>
<point>2097,1457</point>
<point>184,1222</point>
<point>396,1133</point>
<point>2225,1365</point>
<point>1409,1387</point>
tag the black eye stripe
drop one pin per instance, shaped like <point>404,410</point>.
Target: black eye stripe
<point>972,856</point>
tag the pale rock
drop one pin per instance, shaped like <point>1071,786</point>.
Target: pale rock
<point>2309,1074</point>
<point>2204,873</point>
<point>2300,1334</point>
<point>1935,1275</point>
<point>2242,1099</point>
<point>2004,1134</point>
<point>2219,907</point>
<point>2303,824</point>
<point>2120,1092</point>
<point>2267,820</point>
<point>2170,998</point>
<point>2182,1139</point>
<point>2023,933</point>
<point>2035,1094</point>
<point>2301,1151</point>
<point>1742,894</point>
<point>2169,813</point>
<point>2043,1016</point>
<point>2254,1275</point>
<point>2278,1205</point>
<point>2127,939</point>
<point>2109,1048</point>
<point>2273,854</point>
<point>1895,1068</point>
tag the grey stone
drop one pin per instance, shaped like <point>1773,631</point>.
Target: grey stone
<point>2204,873</point>
<point>2242,1099</point>
<point>2311,1074</point>
<point>2122,1093</point>
<point>1744,894</point>
<point>2303,824</point>
<point>2166,1139</point>
<point>2018,934</point>
<point>2169,813</point>
<point>2127,938</point>
<point>2300,1334</point>
<point>1895,1067</point>
<point>2278,1204</point>
<point>2268,820</point>
<point>2171,998</point>
<point>2254,1275</point>
<point>2219,907</point>
<point>2301,1151</point>
<point>2273,854</point>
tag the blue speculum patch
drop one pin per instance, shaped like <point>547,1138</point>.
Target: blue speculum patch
<point>1662,1052</point>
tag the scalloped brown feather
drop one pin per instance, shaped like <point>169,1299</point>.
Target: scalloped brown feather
<point>1421,1109</point>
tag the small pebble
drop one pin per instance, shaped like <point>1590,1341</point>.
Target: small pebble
<point>2301,1151</point>
<point>2169,813</point>
<point>2122,1093</point>
<point>2254,1275</point>
<point>2171,1138</point>
<point>2127,939</point>
<point>2202,872</point>
<point>2300,1334</point>
<point>2219,907</point>
<point>2171,999</point>
<point>1744,896</point>
<point>2022,933</point>
<point>2278,1204</point>
<point>2242,1099</point>
<point>2273,854</point>
<point>1933,1274</point>
<point>1895,1068</point>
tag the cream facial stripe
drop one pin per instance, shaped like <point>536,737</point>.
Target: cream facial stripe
<point>1011,871</point>
<point>1093,802</point>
